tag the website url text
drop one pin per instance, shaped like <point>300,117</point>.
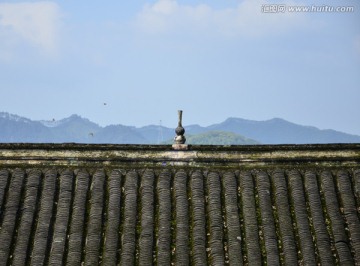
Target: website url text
<point>321,9</point>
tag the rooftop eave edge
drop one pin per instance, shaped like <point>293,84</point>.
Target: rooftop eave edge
<point>80,154</point>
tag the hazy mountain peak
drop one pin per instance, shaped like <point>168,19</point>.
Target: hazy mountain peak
<point>13,117</point>
<point>237,120</point>
<point>74,118</point>
<point>277,119</point>
<point>233,119</point>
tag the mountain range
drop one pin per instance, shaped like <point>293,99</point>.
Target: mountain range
<point>233,131</point>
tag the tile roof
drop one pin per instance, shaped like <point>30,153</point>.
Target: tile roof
<point>141,205</point>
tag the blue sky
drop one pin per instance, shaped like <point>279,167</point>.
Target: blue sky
<point>213,59</point>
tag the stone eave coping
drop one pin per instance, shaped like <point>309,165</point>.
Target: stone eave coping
<point>74,154</point>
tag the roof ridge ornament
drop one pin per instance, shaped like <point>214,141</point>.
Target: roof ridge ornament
<point>179,139</point>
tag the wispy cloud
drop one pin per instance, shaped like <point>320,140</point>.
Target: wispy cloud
<point>246,19</point>
<point>34,23</point>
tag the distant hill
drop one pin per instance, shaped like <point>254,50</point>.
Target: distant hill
<point>72,129</point>
<point>219,138</point>
<point>216,137</point>
<point>233,131</point>
<point>280,131</point>
<point>14,128</point>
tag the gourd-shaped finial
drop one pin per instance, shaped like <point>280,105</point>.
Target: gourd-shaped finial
<point>180,138</point>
